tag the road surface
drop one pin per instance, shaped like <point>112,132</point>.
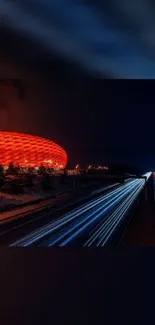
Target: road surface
<point>21,221</point>
<point>91,223</point>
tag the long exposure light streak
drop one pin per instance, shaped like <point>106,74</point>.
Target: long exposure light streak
<point>59,208</point>
<point>103,210</point>
<point>113,219</point>
<point>52,226</point>
<point>97,219</point>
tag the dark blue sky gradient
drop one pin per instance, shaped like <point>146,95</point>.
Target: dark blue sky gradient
<point>64,51</point>
<point>114,37</point>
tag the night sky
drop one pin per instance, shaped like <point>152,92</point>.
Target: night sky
<point>69,98</point>
<point>65,52</point>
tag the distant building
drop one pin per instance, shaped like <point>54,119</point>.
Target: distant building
<point>71,172</point>
<point>30,151</point>
<point>97,169</point>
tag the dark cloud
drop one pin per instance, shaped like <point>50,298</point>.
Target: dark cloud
<point>107,37</point>
<point>61,59</point>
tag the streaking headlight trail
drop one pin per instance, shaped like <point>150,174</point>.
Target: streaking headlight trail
<point>91,224</point>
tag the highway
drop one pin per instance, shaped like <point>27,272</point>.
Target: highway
<point>22,221</point>
<point>92,223</point>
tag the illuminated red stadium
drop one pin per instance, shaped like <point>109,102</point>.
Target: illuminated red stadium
<point>27,150</point>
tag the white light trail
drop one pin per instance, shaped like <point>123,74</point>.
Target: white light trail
<point>103,214</point>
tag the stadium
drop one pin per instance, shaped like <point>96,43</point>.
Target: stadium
<point>30,151</point>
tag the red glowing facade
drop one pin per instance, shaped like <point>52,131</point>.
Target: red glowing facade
<point>27,150</point>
